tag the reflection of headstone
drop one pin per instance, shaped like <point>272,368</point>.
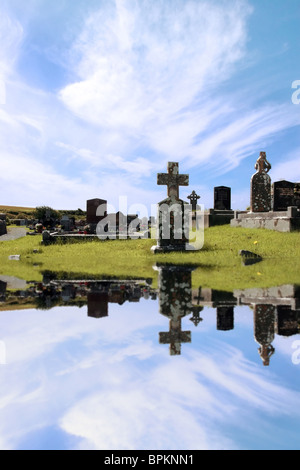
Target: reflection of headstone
<point>172,220</point>
<point>92,206</point>
<point>3,286</point>
<point>261,186</point>
<point>175,302</point>
<point>264,330</point>
<point>287,321</point>
<point>222,198</point>
<point>98,304</point>
<point>67,292</point>
<point>283,195</point>
<point>225,318</point>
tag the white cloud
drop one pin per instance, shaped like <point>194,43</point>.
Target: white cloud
<point>143,69</point>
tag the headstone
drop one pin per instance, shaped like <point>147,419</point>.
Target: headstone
<point>285,195</point>
<point>98,304</point>
<point>3,229</point>
<point>175,302</point>
<point>66,224</point>
<point>173,222</point>
<point>92,207</point>
<point>261,186</point>
<point>222,198</point>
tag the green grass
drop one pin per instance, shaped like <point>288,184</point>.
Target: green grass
<point>219,265</point>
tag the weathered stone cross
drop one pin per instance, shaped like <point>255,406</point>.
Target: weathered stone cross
<point>173,179</point>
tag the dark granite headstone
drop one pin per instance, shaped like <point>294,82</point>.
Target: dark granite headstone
<point>261,186</point>
<point>284,195</point>
<point>222,198</point>
<point>3,229</point>
<point>91,207</point>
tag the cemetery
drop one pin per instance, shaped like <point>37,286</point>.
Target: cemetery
<point>130,247</point>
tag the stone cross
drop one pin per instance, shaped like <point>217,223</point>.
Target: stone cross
<point>173,179</point>
<point>194,199</point>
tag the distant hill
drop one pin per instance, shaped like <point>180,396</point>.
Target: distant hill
<point>16,209</point>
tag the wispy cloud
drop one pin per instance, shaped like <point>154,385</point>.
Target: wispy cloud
<point>144,71</point>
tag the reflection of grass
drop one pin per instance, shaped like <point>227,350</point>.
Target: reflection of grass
<point>220,265</point>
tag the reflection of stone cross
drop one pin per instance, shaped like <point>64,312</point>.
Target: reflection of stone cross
<point>199,298</point>
<point>194,199</point>
<point>175,337</point>
<point>196,319</point>
<point>173,179</point>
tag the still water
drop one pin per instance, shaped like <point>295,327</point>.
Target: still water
<point>120,365</point>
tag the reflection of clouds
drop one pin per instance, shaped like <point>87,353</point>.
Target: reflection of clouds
<point>180,405</point>
<point>112,386</point>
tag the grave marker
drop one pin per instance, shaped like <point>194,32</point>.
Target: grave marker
<point>173,223</point>
<point>222,198</point>
<point>91,208</point>
<point>285,195</point>
<point>261,186</point>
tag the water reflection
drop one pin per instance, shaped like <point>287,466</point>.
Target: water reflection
<point>276,311</point>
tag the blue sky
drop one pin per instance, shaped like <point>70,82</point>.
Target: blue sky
<point>97,97</point>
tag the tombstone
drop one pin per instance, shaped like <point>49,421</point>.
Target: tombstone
<point>3,229</point>
<point>225,318</point>
<point>92,206</point>
<point>173,221</point>
<point>261,186</point>
<point>284,195</point>
<point>222,198</point>
<point>175,302</point>
<point>66,224</point>
<point>98,304</point>
<point>264,330</point>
